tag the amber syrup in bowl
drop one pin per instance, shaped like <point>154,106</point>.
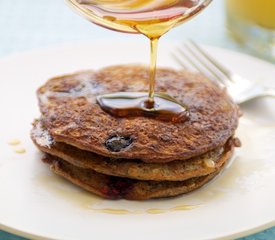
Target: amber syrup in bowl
<point>152,18</point>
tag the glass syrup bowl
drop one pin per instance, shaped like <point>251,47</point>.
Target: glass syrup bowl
<point>149,17</point>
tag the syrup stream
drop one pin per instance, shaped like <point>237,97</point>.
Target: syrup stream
<point>152,83</point>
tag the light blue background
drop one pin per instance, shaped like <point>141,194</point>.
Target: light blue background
<point>28,24</point>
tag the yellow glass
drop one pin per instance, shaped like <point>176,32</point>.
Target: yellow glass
<point>252,23</point>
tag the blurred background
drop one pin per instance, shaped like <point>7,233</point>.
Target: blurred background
<point>30,24</point>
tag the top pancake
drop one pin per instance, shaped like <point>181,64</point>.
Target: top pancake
<point>71,115</point>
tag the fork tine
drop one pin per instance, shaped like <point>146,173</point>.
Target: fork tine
<point>204,64</point>
<point>218,66</point>
<point>183,65</point>
<point>195,65</point>
<point>191,61</point>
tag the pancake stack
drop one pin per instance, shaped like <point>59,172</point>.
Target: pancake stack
<point>137,157</point>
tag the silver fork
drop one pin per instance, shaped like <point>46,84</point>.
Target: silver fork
<point>239,88</point>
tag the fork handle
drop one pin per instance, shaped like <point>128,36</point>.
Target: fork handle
<point>270,92</point>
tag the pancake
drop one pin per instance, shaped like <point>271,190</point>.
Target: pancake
<point>72,116</point>
<point>173,171</point>
<point>116,188</point>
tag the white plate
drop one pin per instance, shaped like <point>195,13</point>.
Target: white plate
<point>35,203</point>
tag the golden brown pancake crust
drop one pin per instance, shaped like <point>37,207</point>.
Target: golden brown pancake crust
<point>71,114</point>
<point>136,169</point>
<point>116,188</point>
